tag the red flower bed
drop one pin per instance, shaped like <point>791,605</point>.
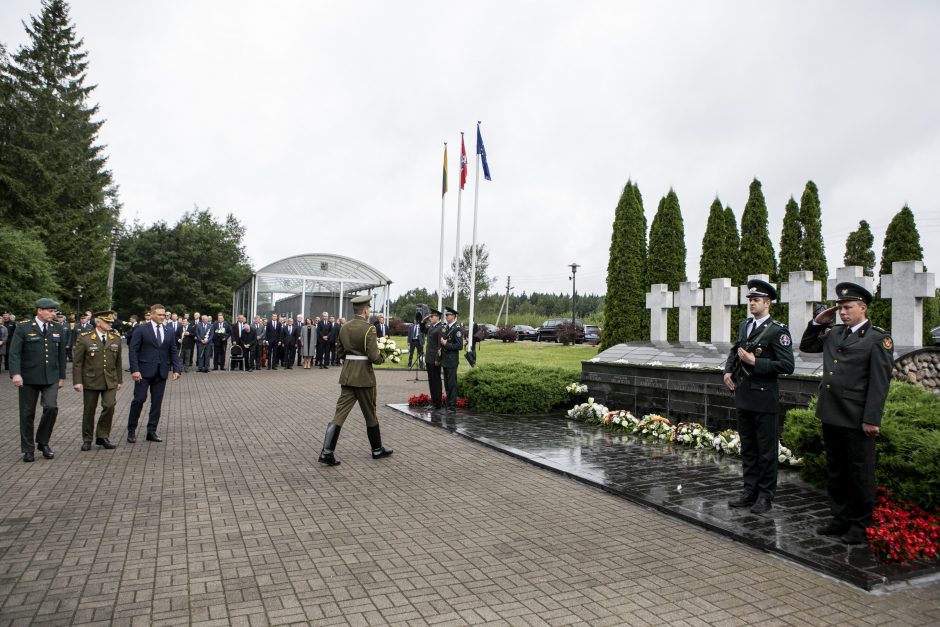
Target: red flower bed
<point>423,400</point>
<point>902,531</point>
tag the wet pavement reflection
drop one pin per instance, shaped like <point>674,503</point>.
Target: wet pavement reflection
<point>693,485</point>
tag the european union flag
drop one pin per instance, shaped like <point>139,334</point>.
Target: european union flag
<point>482,152</point>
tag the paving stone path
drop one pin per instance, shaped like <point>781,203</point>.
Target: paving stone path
<point>231,521</point>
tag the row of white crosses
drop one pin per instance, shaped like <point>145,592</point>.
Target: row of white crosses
<point>906,286</point>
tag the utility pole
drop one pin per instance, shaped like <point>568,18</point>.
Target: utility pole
<point>505,304</point>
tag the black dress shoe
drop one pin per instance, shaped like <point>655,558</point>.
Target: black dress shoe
<point>46,451</point>
<point>761,506</point>
<point>745,500</point>
<point>855,535</point>
<point>104,443</point>
<point>153,437</point>
<point>86,446</point>
<point>131,438</point>
<point>28,457</point>
<point>833,528</point>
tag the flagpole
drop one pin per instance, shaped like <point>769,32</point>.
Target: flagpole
<point>473,246</point>
<point>457,255</point>
<point>440,270</point>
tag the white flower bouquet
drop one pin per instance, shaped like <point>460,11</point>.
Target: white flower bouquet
<point>621,420</point>
<point>575,390</point>
<point>589,411</point>
<point>728,442</point>
<point>693,434</point>
<point>786,456</point>
<point>389,350</point>
<point>655,427</point>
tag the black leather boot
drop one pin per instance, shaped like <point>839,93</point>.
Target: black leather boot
<point>329,445</point>
<point>375,440</point>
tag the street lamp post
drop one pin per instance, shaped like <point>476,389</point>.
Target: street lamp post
<point>574,292</point>
<point>79,307</point>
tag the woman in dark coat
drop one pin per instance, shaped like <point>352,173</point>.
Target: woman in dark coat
<point>308,336</point>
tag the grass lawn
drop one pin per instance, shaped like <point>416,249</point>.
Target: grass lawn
<point>533,353</point>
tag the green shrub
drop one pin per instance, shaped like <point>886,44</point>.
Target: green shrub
<point>516,388</point>
<point>908,445</point>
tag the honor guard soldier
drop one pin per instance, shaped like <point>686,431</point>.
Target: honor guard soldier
<point>358,349</point>
<point>763,351</point>
<point>37,368</point>
<point>857,363</point>
<point>98,372</point>
<point>432,357</point>
<point>451,345</point>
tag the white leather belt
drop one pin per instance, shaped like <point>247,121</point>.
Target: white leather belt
<point>356,357</point>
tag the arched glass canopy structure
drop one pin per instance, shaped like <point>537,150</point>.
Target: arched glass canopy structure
<point>310,284</point>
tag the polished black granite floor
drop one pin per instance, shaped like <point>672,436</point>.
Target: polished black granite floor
<point>687,484</point>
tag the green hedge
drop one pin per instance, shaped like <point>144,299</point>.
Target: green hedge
<point>516,388</point>
<point>908,446</point>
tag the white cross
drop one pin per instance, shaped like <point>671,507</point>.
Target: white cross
<point>745,290</point>
<point>659,300</point>
<point>800,292</point>
<point>690,298</point>
<point>720,297</point>
<point>849,274</point>
<point>907,286</point>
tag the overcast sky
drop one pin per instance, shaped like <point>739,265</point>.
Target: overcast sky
<point>320,126</point>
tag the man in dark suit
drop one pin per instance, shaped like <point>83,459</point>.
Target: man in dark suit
<point>451,345</point>
<point>324,331</point>
<point>381,329</point>
<point>9,323</point>
<point>416,344</point>
<point>272,340</point>
<point>152,354</point>
<point>187,342</point>
<point>857,363</point>
<point>203,342</point>
<point>243,337</point>
<point>221,331</point>
<point>37,368</point>
<point>432,356</point>
<point>763,351</point>
<point>290,333</point>
<point>254,357</point>
<point>331,345</point>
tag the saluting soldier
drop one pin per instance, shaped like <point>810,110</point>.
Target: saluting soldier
<point>763,351</point>
<point>358,349</point>
<point>451,345</point>
<point>857,362</point>
<point>432,357</point>
<point>37,367</point>
<point>97,372</point>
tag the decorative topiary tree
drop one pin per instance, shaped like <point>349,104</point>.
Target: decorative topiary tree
<point>859,249</point>
<point>791,254</point>
<point>625,315</point>
<point>757,251</point>
<point>666,262</point>
<point>812,246</point>
<point>717,245</point>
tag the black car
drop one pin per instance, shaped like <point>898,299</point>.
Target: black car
<point>525,332</point>
<point>548,332</point>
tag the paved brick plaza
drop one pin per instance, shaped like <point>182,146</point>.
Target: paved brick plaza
<point>231,521</point>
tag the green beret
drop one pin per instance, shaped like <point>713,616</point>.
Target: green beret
<point>46,303</point>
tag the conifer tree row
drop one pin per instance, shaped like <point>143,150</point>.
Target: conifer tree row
<point>859,249</point>
<point>791,254</point>
<point>625,315</point>
<point>812,247</point>
<point>757,252</point>
<point>667,252</point>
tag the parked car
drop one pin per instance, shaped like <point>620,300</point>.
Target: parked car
<point>548,332</point>
<point>491,329</point>
<point>935,334</point>
<point>525,332</point>
<point>592,334</point>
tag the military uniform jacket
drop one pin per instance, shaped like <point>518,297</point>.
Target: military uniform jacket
<point>759,391</point>
<point>38,357</point>
<point>856,373</point>
<point>358,338</point>
<point>432,347</point>
<point>450,357</point>
<point>97,365</point>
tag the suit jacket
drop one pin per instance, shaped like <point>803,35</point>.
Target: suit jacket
<point>258,330</point>
<point>148,356</point>
<point>290,335</point>
<point>357,337</point>
<point>381,329</point>
<point>189,339</point>
<point>38,357</point>
<point>325,327</point>
<point>221,331</point>
<point>98,365</point>
<point>415,336</point>
<point>856,373</point>
<point>759,391</point>
<point>203,331</point>
<point>272,332</point>
<point>432,348</point>
<point>245,339</point>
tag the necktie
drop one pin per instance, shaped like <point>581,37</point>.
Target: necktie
<point>42,328</point>
<point>159,335</point>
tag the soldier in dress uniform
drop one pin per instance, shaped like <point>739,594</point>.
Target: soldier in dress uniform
<point>97,372</point>
<point>451,345</point>
<point>763,351</point>
<point>432,356</point>
<point>358,349</point>
<point>37,368</point>
<point>857,362</point>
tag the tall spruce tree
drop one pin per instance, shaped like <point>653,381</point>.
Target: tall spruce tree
<point>757,251</point>
<point>53,176</point>
<point>667,253</point>
<point>791,254</point>
<point>719,248</point>
<point>813,247</point>
<point>733,242</point>
<point>859,249</point>
<point>625,315</point>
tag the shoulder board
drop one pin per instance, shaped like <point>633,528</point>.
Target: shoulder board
<point>87,333</point>
<point>780,324</point>
<point>879,329</point>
